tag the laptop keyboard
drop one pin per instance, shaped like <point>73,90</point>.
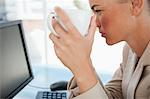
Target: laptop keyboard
<point>51,95</point>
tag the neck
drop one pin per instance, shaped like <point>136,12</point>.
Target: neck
<point>140,39</point>
<point>139,46</point>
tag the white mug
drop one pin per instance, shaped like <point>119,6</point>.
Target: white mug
<point>79,18</point>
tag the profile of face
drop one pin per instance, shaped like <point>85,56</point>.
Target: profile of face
<point>115,19</point>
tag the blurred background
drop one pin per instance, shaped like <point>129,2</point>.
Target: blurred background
<point>106,59</point>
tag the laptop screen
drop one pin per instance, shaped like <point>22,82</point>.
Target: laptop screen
<point>14,64</point>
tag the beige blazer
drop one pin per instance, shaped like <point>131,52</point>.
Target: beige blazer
<point>130,81</point>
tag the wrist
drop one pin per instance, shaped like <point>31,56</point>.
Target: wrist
<point>86,82</point>
<point>86,77</point>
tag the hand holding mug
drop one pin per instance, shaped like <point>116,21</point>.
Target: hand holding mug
<point>73,49</point>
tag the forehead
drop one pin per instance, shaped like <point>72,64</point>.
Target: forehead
<point>101,2</point>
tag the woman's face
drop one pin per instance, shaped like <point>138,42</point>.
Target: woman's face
<point>114,19</point>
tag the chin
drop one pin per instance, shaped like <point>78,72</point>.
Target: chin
<point>111,42</point>
<point>108,43</point>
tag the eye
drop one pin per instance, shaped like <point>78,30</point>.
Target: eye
<point>98,12</point>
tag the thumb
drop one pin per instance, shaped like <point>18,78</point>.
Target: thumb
<point>92,28</point>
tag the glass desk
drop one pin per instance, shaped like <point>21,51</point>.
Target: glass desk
<point>44,76</point>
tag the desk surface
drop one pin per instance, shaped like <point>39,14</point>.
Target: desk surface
<point>44,76</point>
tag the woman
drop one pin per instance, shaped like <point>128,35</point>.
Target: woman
<point>117,20</point>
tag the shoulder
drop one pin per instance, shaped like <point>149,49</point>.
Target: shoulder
<point>143,88</point>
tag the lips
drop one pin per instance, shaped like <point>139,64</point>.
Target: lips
<point>103,34</point>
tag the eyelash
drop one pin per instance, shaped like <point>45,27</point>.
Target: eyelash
<point>98,11</point>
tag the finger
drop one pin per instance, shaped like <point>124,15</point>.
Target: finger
<point>66,20</point>
<point>92,28</point>
<point>62,34</point>
<point>56,49</point>
<point>54,39</point>
<point>58,28</point>
<point>62,40</point>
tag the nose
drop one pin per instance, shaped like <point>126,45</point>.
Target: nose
<point>98,23</point>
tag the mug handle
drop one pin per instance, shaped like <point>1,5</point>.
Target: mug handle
<point>49,22</point>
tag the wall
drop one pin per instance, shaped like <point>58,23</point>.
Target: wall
<point>0,49</point>
<point>0,62</point>
<point>2,9</point>
<point>24,9</point>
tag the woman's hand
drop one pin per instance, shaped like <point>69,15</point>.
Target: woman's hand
<point>71,47</point>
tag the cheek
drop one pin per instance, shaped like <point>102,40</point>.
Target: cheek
<point>105,22</point>
<point>108,21</point>
<point>110,27</point>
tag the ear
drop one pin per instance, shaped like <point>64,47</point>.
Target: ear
<point>137,7</point>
